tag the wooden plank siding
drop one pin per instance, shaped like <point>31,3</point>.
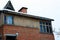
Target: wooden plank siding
<point>26,22</point>
<point>1,19</point>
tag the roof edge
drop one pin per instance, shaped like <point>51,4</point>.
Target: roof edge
<point>26,15</point>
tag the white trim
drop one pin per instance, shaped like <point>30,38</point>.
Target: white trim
<point>10,34</point>
<point>11,10</point>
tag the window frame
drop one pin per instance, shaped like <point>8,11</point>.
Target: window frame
<point>5,19</point>
<point>49,27</point>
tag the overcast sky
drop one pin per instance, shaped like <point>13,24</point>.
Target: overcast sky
<point>45,8</point>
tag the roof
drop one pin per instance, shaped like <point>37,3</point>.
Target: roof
<point>9,6</point>
<point>25,15</point>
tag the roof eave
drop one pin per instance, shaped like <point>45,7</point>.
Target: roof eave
<point>26,15</point>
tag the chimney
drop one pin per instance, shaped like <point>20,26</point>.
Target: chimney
<point>23,9</point>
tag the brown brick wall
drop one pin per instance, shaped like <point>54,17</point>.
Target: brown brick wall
<point>27,33</point>
<point>1,30</point>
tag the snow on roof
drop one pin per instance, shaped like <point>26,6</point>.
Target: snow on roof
<point>25,15</point>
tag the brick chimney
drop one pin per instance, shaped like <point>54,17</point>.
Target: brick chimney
<point>23,9</point>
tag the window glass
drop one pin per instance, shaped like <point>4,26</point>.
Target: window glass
<point>44,27</point>
<point>47,29</point>
<point>41,28</point>
<point>41,22</point>
<point>5,19</point>
<point>49,23</point>
<point>46,23</point>
<point>8,19</point>
<point>50,29</point>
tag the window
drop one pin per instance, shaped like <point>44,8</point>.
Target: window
<point>45,27</point>
<point>41,28</point>
<point>50,29</point>
<point>8,19</point>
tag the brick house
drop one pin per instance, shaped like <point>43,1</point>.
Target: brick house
<point>22,26</point>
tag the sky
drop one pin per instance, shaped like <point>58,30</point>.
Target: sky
<point>44,8</point>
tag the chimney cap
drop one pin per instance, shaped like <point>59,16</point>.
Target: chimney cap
<point>23,8</point>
